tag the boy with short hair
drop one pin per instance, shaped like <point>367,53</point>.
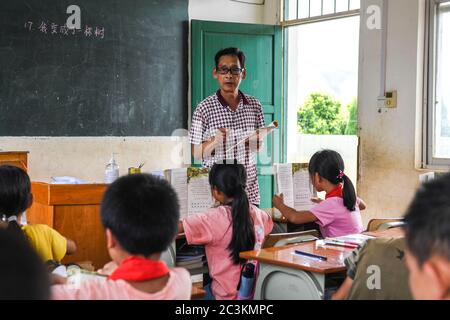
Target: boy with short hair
<point>140,214</point>
<point>428,240</point>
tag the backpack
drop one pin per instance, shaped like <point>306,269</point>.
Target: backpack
<point>247,280</point>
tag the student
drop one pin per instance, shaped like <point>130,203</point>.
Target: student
<point>227,230</point>
<point>22,274</point>
<point>15,198</point>
<point>428,241</point>
<point>376,271</point>
<point>338,214</point>
<point>140,214</point>
<point>227,116</point>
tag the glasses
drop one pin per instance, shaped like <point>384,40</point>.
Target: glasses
<point>234,70</point>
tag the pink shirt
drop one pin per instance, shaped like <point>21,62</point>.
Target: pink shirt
<point>335,219</point>
<point>214,229</point>
<point>178,287</point>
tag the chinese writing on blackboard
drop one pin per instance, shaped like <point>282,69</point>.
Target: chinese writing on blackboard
<point>51,28</point>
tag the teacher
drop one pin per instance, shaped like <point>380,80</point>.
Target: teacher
<point>226,118</point>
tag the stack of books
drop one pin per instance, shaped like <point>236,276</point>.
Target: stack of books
<point>191,257</point>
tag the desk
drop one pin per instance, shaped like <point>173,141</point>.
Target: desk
<point>287,276</point>
<point>15,158</point>
<point>74,211</point>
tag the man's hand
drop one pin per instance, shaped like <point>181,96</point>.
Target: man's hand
<point>207,148</point>
<point>220,137</point>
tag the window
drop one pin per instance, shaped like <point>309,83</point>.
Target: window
<point>437,119</point>
<point>321,71</point>
<point>303,11</point>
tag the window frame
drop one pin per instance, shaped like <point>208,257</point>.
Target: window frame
<point>323,17</point>
<point>430,79</point>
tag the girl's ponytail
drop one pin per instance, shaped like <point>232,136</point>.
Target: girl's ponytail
<point>230,179</point>
<point>329,165</point>
<point>243,237</point>
<point>349,194</point>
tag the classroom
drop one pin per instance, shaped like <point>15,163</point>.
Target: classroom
<point>90,89</point>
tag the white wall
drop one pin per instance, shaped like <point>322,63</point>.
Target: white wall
<point>232,11</point>
<point>390,139</point>
<point>85,157</point>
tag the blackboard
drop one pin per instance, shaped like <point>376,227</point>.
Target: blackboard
<point>123,73</point>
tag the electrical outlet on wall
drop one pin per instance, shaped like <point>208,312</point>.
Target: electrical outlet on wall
<point>390,99</point>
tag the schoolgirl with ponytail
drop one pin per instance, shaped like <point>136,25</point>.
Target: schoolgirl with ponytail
<point>337,215</point>
<point>15,198</point>
<point>232,227</point>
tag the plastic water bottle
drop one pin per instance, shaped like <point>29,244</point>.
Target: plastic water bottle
<point>111,170</point>
<point>247,282</point>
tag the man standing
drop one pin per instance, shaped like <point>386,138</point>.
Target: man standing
<point>226,118</point>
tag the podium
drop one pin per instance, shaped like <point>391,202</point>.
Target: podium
<point>74,211</point>
<point>14,158</point>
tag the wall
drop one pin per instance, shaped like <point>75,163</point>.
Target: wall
<point>85,157</point>
<point>390,139</point>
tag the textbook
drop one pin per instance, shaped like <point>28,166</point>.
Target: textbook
<point>193,190</point>
<point>259,134</point>
<point>292,180</point>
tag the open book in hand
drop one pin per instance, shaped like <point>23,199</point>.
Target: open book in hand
<point>193,189</point>
<point>293,181</point>
<point>257,135</point>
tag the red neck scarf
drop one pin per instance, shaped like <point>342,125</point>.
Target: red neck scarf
<point>139,269</point>
<point>336,192</point>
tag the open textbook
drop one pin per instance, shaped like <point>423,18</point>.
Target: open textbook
<point>292,180</point>
<point>258,134</point>
<point>193,190</point>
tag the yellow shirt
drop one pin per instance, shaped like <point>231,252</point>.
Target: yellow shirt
<point>49,243</point>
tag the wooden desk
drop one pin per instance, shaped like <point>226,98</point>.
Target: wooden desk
<point>287,276</point>
<point>74,211</point>
<point>15,158</point>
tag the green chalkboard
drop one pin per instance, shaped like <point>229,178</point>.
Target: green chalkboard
<point>123,73</point>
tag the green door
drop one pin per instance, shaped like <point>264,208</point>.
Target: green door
<point>262,47</point>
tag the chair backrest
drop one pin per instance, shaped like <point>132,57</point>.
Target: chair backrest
<point>384,224</point>
<point>281,239</point>
<point>169,256</point>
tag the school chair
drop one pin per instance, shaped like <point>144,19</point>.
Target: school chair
<point>282,239</point>
<point>169,256</point>
<point>384,224</point>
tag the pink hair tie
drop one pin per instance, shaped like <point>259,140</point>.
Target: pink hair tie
<point>341,174</point>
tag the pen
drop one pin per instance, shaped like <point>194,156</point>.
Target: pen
<point>310,255</point>
<point>341,243</point>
